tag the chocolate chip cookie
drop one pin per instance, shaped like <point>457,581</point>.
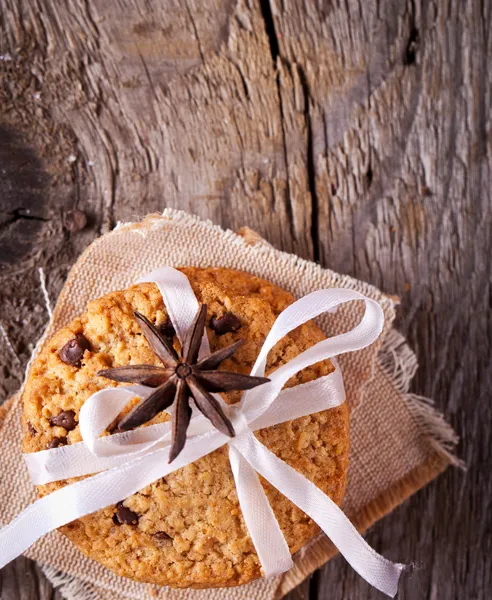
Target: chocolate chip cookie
<point>185,530</point>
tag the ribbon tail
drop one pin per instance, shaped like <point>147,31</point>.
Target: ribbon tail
<point>375,569</point>
<point>263,527</point>
<point>257,401</point>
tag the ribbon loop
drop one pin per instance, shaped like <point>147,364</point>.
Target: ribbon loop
<point>99,411</point>
<point>257,401</point>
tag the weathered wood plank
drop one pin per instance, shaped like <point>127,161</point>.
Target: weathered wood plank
<point>398,109</point>
<point>354,133</point>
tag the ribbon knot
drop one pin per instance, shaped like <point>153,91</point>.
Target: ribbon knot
<point>124,463</point>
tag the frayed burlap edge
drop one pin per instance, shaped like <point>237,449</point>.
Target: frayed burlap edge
<point>399,363</point>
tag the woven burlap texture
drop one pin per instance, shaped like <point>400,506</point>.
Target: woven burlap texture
<point>398,443</point>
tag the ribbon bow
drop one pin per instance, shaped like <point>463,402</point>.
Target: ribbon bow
<point>124,463</point>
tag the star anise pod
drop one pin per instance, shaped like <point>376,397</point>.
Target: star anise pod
<point>183,377</point>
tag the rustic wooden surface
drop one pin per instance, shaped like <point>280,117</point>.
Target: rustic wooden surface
<point>355,133</point>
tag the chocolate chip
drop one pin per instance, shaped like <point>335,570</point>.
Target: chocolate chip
<point>124,515</point>
<point>57,441</point>
<point>32,430</point>
<point>167,329</point>
<point>229,322</point>
<point>73,351</point>
<point>65,419</point>
<point>161,536</point>
<point>75,220</point>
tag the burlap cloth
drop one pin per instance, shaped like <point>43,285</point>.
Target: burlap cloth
<point>398,442</point>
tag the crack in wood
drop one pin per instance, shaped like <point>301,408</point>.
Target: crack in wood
<point>18,215</point>
<point>267,14</point>
<point>266,11</point>
<point>310,165</point>
<point>313,592</point>
<point>410,55</point>
<point>195,31</point>
<point>288,204</point>
<point>412,47</point>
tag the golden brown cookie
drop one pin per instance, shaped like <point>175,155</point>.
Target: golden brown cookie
<point>185,530</point>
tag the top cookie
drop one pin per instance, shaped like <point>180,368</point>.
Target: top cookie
<point>185,530</point>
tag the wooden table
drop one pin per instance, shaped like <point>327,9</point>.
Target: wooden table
<point>353,133</point>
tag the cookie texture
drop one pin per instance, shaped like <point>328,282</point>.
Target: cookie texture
<point>185,530</point>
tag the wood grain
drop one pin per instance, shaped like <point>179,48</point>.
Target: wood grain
<point>357,134</point>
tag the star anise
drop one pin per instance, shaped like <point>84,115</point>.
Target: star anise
<point>183,377</point>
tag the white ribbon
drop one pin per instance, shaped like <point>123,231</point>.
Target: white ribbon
<point>124,463</point>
